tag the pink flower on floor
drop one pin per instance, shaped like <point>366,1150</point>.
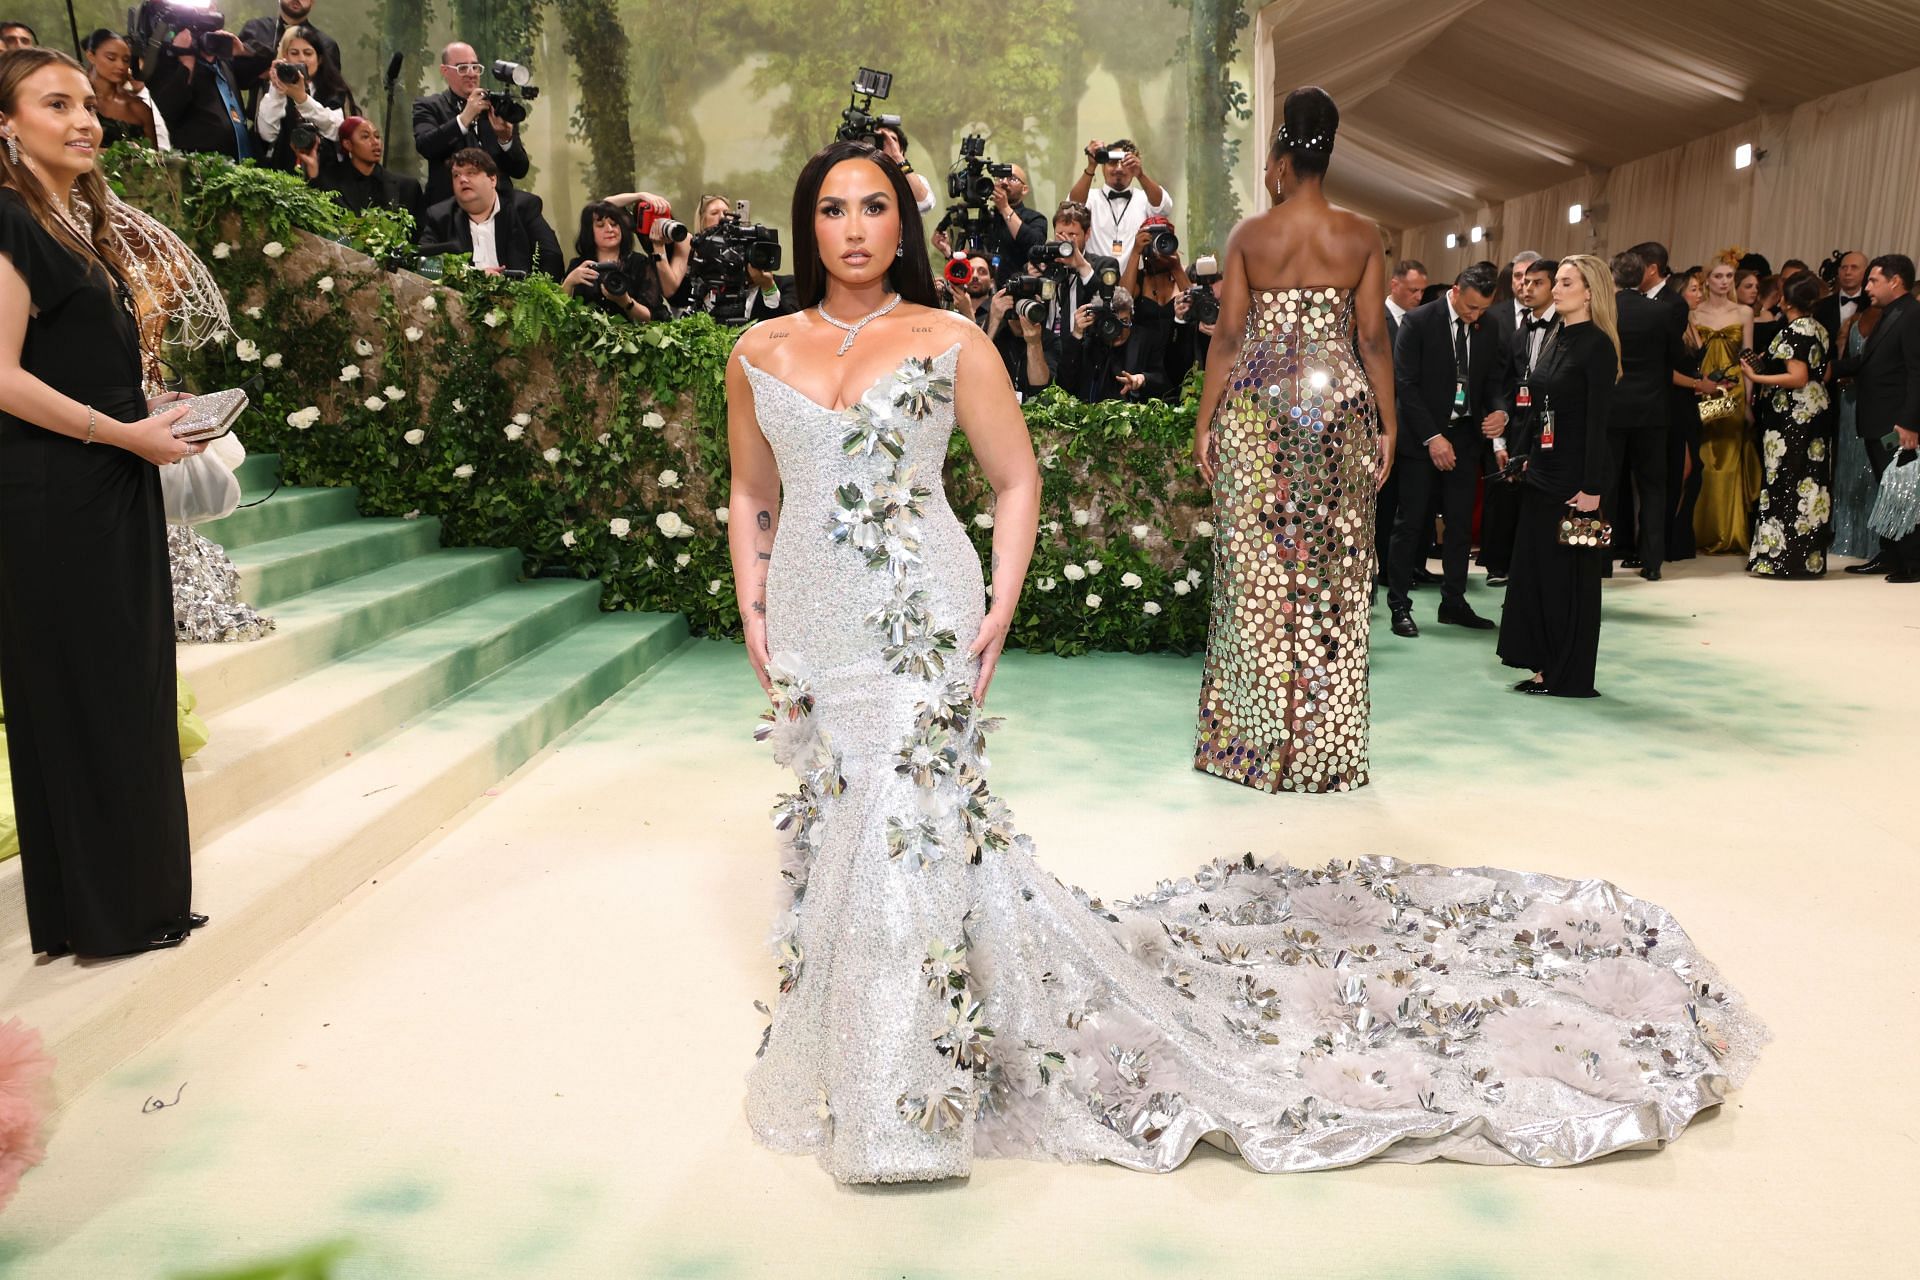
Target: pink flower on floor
<point>24,1071</point>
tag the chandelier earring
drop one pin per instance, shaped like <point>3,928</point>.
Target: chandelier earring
<point>13,148</point>
<point>900,250</point>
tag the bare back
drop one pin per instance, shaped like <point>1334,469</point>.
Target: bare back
<point>1306,244</point>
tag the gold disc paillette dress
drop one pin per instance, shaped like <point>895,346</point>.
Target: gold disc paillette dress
<point>1283,702</point>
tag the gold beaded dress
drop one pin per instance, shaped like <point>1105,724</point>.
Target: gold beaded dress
<point>1283,702</point>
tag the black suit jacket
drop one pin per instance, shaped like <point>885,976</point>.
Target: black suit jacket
<point>437,135</point>
<point>1683,406</point>
<point>1650,350</point>
<point>195,113</point>
<point>1423,377</point>
<point>1886,373</point>
<point>1827,312</point>
<point>522,232</point>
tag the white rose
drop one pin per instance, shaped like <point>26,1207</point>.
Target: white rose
<point>713,586</point>
<point>1193,576</point>
<point>252,313</point>
<point>1074,573</point>
<point>513,431</point>
<point>567,539</point>
<point>984,520</point>
<point>1202,529</point>
<point>462,471</point>
<point>324,284</point>
<point>1053,527</point>
<point>1140,532</point>
<point>412,515</point>
<point>413,334</point>
<point>302,419</point>
<point>723,515</point>
<point>374,404</point>
<point>222,250</point>
<point>551,455</point>
<point>619,526</point>
<point>361,347</point>
<point>394,393</point>
<point>652,563</point>
<point>459,405</point>
<point>1131,581</point>
<point>273,361</point>
<point>605,437</point>
<point>494,318</point>
<point>1045,584</point>
<point>246,349</point>
<point>415,436</point>
<point>1093,601</point>
<point>670,524</point>
<point>273,248</point>
<point>682,560</point>
<point>1182,587</point>
<point>652,420</point>
<point>429,303</point>
<point>1081,518</point>
<point>1093,568</point>
<point>1150,608</point>
<point>350,373</point>
<point>669,479</point>
<point>522,419</point>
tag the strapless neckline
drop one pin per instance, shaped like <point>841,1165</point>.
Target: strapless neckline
<point>880,381</point>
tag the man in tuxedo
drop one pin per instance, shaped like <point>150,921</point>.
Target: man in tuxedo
<point>1511,310</point>
<point>1846,300</point>
<point>1072,224</point>
<point>1448,372</point>
<point>1651,349</point>
<point>196,91</point>
<point>1683,406</point>
<point>1886,382</point>
<point>1500,512</point>
<point>449,122</point>
<point>503,230</point>
<point>1404,287</point>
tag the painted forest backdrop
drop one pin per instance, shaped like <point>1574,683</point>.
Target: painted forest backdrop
<point>682,97</point>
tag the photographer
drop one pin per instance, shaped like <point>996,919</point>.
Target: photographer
<point>302,85</point>
<point>1195,312</point>
<point>462,117</point>
<point>1077,277</point>
<point>1017,327</point>
<point>260,39</point>
<point>1093,365</point>
<point>1155,277</point>
<point>1118,210</point>
<point>503,230</point>
<point>607,273</point>
<point>1012,231</point>
<point>360,181</point>
<point>893,141</point>
<point>196,91</point>
<point>766,293</point>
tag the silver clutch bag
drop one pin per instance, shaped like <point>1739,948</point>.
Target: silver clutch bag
<point>210,416</point>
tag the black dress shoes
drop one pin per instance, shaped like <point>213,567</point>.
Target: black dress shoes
<point>1403,624</point>
<point>1422,578</point>
<point>1462,615</point>
<point>1631,562</point>
<point>1876,565</point>
<point>1531,686</point>
<point>1651,575</point>
<point>1496,579</point>
<point>1904,575</point>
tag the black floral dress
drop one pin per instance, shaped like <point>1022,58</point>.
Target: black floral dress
<point>1795,518</point>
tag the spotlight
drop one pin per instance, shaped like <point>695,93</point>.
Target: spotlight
<point>1575,214</point>
<point>1477,234</point>
<point>1743,155</point>
<point>1453,240</point>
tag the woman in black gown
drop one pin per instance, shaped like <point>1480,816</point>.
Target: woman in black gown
<point>86,604</point>
<point>124,116</point>
<point>1551,623</point>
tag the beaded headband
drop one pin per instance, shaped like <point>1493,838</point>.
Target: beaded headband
<point>1319,141</point>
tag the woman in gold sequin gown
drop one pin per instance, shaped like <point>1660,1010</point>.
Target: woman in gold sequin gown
<point>1295,433</point>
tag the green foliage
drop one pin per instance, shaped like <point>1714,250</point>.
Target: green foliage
<point>520,417</point>
<point>597,43</point>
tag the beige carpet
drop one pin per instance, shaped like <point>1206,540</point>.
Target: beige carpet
<point>520,1052</point>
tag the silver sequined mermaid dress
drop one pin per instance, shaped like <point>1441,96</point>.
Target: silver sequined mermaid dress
<point>943,997</point>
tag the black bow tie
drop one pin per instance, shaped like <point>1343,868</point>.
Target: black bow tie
<point>1534,323</point>
<point>1854,298</point>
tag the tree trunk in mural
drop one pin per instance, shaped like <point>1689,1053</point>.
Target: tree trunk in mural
<point>597,46</point>
<point>1213,34</point>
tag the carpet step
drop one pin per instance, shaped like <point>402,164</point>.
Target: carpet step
<point>286,512</point>
<point>272,874</point>
<point>302,729</point>
<point>322,625</point>
<point>285,567</point>
<point>258,473</point>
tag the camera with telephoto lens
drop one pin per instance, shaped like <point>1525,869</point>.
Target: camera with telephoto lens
<point>155,22</point>
<point>510,104</point>
<point>1161,242</point>
<point>1107,324</point>
<point>718,260</point>
<point>960,270</point>
<point>859,122</point>
<point>647,215</point>
<point>1033,297</point>
<point>1202,306</point>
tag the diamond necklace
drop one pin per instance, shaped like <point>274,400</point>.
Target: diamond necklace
<point>853,330</point>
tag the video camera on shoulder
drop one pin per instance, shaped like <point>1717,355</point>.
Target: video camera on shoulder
<point>971,179</point>
<point>859,122</point>
<point>155,23</point>
<point>510,104</point>
<point>718,260</point>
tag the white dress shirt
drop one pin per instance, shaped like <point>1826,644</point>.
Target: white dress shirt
<point>1118,216</point>
<point>486,245</point>
<point>1394,309</point>
<point>267,120</point>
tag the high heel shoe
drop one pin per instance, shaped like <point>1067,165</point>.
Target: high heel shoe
<point>1531,686</point>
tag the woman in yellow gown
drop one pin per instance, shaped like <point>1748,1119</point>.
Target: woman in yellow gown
<point>1729,463</point>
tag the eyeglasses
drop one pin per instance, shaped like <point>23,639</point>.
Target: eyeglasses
<point>466,68</point>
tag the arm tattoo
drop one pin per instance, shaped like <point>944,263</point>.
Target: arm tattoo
<point>996,562</point>
<point>763,555</point>
<point>760,608</point>
<point>764,520</point>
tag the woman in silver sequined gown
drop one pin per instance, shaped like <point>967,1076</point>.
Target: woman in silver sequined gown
<point>942,997</point>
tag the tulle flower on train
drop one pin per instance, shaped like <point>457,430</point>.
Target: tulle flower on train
<point>25,1070</point>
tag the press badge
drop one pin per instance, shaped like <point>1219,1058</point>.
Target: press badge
<point>1524,398</point>
<point>1546,429</point>
<point>1459,397</point>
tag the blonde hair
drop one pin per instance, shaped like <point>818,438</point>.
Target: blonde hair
<point>89,196</point>
<point>302,33</point>
<point>1604,310</point>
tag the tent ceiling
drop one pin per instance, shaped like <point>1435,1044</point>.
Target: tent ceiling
<point>1449,104</point>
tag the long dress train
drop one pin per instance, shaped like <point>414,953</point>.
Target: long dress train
<point>1283,700</point>
<point>943,997</point>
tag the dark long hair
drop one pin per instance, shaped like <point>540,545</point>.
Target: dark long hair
<point>910,276</point>
<point>584,246</point>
